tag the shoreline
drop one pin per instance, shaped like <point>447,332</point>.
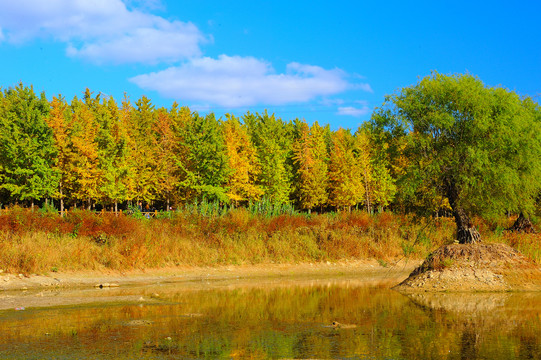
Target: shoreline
<point>79,288</point>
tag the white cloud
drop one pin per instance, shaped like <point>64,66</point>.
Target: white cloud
<point>364,87</point>
<point>146,4</point>
<point>101,30</point>
<point>353,111</point>
<point>234,81</point>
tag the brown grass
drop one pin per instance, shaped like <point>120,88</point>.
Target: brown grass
<point>32,242</point>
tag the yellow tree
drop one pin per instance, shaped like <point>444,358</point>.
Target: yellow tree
<point>86,170</point>
<point>125,128</point>
<point>310,159</point>
<point>346,185</point>
<point>141,119</point>
<point>242,158</point>
<point>167,149</point>
<point>58,120</point>
<point>379,187</point>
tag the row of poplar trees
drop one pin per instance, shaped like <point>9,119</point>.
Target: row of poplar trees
<point>95,151</point>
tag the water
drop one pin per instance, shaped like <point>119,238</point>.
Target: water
<point>277,321</point>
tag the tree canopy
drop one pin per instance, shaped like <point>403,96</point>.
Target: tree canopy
<point>478,147</point>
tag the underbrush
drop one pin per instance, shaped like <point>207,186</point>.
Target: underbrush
<point>41,242</point>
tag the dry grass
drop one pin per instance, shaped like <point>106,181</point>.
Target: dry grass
<point>43,243</point>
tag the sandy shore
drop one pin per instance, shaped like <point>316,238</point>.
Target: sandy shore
<point>56,289</point>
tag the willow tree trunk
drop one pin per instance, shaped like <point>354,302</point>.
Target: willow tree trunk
<point>466,233</point>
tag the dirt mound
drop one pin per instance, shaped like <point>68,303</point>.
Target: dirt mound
<point>474,267</point>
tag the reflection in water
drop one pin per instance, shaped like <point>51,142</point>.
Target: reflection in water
<point>282,322</point>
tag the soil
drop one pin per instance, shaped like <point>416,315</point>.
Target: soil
<point>56,289</point>
<point>474,267</point>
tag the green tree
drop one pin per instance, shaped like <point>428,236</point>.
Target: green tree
<point>477,146</point>
<point>27,149</point>
<point>204,167</point>
<point>273,140</point>
<point>112,142</point>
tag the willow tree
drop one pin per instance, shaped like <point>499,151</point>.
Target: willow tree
<point>477,146</point>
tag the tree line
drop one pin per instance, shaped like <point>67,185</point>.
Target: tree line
<point>447,142</point>
<point>94,151</point>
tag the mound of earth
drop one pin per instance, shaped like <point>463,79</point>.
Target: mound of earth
<point>474,267</point>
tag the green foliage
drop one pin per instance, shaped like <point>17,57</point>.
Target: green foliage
<point>477,146</point>
<point>204,165</point>
<point>26,146</point>
<point>273,139</point>
<point>48,208</point>
<point>268,207</point>
<point>447,141</point>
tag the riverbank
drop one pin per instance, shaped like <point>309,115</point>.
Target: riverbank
<point>74,288</point>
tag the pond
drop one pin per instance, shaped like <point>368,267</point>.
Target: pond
<point>278,320</point>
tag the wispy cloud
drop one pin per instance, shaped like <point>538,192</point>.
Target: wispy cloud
<point>354,111</point>
<point>234,81</point>
<point>101,30</point>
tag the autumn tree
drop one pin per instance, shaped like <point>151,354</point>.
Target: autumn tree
<point>140,120</point>
<point>86,169</point>
<point>112,141</point>
<point>242,160</point>
<point>59,120</point>
<point>310,158</point>
<point>475,145</point>
<point>345,182</point>
<point>378,185</point>
<point>167,135</point>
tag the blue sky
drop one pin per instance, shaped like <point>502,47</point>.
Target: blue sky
<point>330,61</point>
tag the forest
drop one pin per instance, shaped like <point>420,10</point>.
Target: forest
<point>94,152</point>
<point>448,143</point>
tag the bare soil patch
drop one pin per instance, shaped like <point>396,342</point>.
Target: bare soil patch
<point>474,267</point>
